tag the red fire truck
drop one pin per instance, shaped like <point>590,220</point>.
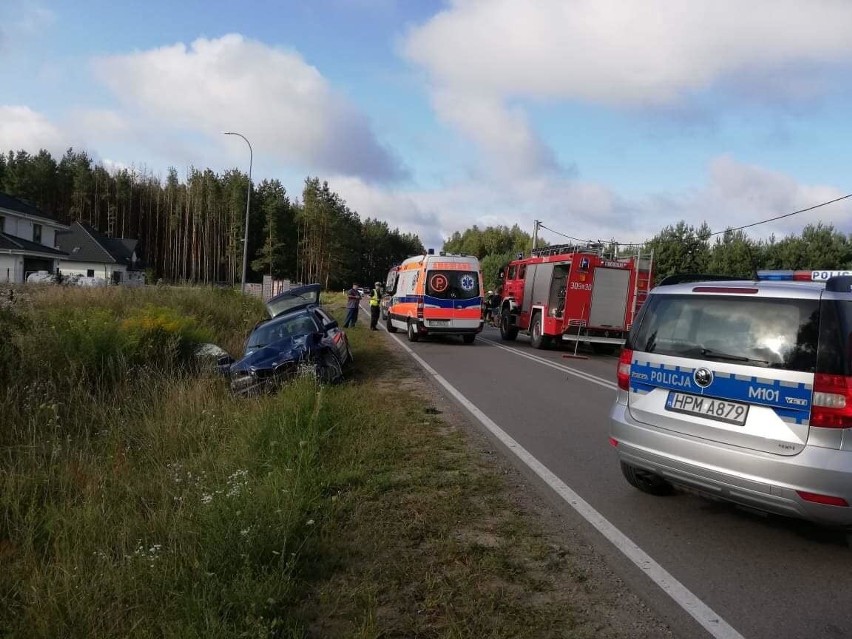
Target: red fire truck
<point>575,294</point>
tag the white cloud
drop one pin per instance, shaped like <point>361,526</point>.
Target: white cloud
<point>23,128</point>
<point>22,21</point>
<point>34,19</point>
<point>620,51</point>
<point>283,105</point>
<point>100,124</point>
<point>510,147</point>
<point>584,209</point>
<point>481,55</point>
<point>734,194</point>
<point>739,194</point>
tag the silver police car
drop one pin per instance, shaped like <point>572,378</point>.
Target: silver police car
<point>742,390</point>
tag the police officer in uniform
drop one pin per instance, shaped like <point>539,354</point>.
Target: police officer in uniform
<point>375,301</point>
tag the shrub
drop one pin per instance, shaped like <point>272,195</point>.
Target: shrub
<point>159,336</point>
<point>64,342</point>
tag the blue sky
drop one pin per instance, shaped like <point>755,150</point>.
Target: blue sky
<point>605,119</point>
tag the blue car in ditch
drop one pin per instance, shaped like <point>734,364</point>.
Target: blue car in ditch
<point>298,338</point>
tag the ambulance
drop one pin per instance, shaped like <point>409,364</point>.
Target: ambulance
<point>435,295</point>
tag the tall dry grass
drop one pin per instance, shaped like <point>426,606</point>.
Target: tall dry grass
<point>137,497</point>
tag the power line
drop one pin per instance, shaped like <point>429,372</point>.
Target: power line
<point>779,217</point>
<point>582,241</point>
<point>738,228</point>
<point>576,239</point>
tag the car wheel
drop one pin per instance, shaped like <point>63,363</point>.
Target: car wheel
<point>508,333</point>
<point>646,481</point>
<point>391,328</point>
<point>412,332</point>
<point>468,339</point>
<point>328,368</point>
<point>537,339</point>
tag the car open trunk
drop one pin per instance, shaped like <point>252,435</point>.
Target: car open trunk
<point>293,298</point>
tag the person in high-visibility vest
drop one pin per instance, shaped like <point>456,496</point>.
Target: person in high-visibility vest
<point>375,300</point>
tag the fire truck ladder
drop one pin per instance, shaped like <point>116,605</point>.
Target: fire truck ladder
<point>638,289</point>
<point>559,249</point>
<point>579,323</point>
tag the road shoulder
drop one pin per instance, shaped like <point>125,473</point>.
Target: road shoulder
<point>465,540</point>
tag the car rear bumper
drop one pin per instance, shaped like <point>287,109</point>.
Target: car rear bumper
<point>455,326</point>
<point>475,327</point>
<point>756,479</point>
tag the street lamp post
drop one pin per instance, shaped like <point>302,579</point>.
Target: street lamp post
<point>248,205</point>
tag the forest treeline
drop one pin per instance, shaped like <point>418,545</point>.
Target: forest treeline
<point>192,228</point>
<point>680,248</point>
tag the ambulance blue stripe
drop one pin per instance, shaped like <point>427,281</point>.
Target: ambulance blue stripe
<point>428,300</point>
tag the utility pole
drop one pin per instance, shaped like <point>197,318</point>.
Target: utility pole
<point>248,208</point>
<point>535,234</point>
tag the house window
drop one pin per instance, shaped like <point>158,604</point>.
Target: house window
<point>90,272</point>
<point>37,233</point>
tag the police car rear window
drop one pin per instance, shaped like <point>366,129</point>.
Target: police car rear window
<point>777,333</point>
<point>835,338</point>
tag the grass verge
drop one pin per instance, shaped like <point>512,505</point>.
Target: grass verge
<point>150,503</point>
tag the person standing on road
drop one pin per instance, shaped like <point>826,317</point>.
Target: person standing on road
<point>375,302</point>
<point>352,299</point>
<point>487,317</point>
<point>494,301</point>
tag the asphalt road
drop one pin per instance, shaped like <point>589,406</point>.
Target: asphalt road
<point>767,577</point>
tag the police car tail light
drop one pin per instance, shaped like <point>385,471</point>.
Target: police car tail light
<point>831,406</point>
<point>623,372</point>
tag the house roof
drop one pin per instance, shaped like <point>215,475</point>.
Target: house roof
<point>20,206</point>
<point>83,243</point>
<point>12,243</point>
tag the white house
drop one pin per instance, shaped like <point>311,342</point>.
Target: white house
<point>90,254</point>
<point>27,240</point>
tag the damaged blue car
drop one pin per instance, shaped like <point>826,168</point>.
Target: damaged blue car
<point>299,338</point>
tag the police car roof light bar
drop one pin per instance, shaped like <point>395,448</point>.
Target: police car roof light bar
<point>781,275</point>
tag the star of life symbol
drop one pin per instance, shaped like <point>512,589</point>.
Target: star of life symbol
<point>468,282</point>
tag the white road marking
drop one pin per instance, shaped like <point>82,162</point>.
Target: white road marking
<point>697,609</point>
<point>546,362</point>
